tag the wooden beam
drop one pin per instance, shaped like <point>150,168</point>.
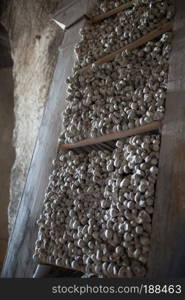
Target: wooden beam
<point>113,136</point>
<point>3,248</point>
<point>112,12</point>
<point>5,53</point>
<point>19,262</point>
<point>167,256</point>
<point>139,42</point>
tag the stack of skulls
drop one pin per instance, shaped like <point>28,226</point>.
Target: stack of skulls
<point>98,209</point>
<point>127,92</point>
<point>121,29</point>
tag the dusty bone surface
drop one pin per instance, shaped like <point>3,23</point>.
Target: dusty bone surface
<point>98,209</point>
<point>128,91</point>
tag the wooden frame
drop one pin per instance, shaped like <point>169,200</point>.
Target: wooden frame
<point>167,257</point>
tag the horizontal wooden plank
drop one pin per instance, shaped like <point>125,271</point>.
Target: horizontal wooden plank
<point>112,136</point>
<point>139,42</point>
<point>63,267</point>
<point>70,269</point>
<point>112,12</point>
<point>167,257</point>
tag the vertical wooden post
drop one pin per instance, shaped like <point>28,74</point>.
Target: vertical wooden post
<point>167,257</point>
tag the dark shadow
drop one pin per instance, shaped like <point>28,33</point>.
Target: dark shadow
<point>7,155</point>
<point>5,52</point>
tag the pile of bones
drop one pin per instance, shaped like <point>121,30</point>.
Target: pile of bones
<point>98,209</point>
<point>98,206</point>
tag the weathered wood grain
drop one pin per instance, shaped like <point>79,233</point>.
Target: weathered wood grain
<point>164,27</point>
<point>112,136</point>
<point>19,262</point>
<point>167,257</point>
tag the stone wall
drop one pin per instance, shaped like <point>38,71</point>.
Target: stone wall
<point>34,42</point>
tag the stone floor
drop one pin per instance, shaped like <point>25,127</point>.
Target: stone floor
<point>6,152</point>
